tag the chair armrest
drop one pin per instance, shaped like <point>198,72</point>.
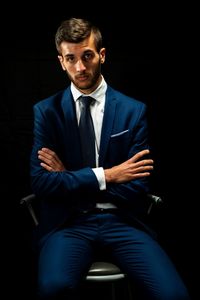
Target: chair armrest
<point>27,201</point>
<point>154,200</point>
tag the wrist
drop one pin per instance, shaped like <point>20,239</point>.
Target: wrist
<point>108,175</point>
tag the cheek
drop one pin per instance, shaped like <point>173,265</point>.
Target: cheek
<point>68,69</point>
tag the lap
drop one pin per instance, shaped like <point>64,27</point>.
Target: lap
<point>68,253</point>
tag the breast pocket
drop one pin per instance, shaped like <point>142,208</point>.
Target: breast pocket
<point>119,146</point>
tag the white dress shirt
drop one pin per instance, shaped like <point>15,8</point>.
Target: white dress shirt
<point>97,112</point>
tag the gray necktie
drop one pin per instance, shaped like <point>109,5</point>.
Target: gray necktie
<point>87,134</point>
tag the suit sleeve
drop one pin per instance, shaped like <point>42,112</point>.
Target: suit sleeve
<point>128,193</point>
<point>46,183</point>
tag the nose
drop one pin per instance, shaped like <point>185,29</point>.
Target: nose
<point>80,66</point>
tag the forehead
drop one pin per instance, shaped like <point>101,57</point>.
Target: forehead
<point>78,48</point>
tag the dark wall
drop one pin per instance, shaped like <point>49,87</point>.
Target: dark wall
<point>147,58</point>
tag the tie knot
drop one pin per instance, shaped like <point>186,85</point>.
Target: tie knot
<point>86,101</point>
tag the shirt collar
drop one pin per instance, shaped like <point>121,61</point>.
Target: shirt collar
<point>98,94</point>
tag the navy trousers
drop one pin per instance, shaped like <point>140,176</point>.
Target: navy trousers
<point>66,255</point>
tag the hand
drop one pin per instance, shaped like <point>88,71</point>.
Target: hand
<point>50,160</point>
<point>132,168</point>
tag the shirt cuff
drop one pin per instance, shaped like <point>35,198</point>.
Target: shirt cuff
<point>99,172</point>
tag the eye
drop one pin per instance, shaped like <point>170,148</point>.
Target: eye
<point>88,56</point>
<point>70,59</point>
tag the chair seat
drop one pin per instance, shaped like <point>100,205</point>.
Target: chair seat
<point>104,271</point>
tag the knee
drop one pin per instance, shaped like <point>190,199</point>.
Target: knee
<point>175,294</point>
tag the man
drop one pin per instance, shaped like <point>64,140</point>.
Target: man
<point>99,205</point>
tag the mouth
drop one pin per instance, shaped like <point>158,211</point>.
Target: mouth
<point>82,77</point>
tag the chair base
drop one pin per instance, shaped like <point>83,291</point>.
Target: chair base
<point>112,278</point>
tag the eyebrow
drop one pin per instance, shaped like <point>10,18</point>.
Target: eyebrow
<point>85,52</point>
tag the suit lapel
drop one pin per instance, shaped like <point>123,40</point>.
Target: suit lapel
<point>72,133</point>
<point>108,119</point>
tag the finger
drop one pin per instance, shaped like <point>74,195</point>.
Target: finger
<point>142,169</point>
<point>139,155</point>
<point>46,167</point>
<point>50,154</point>
<point>48,160</point>
<point>144,162</point>
<point>51,160</point>
<point>141,175</point>
<point>43,156</point>
<point>47,150</point>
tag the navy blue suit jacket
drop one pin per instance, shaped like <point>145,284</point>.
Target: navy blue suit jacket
<point>60,194</point>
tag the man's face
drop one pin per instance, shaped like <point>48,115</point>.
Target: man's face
<point>82,63</point>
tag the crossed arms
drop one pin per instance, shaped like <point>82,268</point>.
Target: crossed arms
<point>135,167</point>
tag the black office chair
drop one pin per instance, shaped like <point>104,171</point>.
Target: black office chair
<point>100,271</point>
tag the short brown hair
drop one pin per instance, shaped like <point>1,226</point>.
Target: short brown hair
<point>76,30</point>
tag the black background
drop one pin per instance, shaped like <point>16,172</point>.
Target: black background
<point>151,55</point>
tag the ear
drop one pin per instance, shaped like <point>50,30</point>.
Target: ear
<point>60,58</point>
<point>102,54</point>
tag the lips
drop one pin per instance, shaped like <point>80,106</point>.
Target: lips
<point>82,77</point>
